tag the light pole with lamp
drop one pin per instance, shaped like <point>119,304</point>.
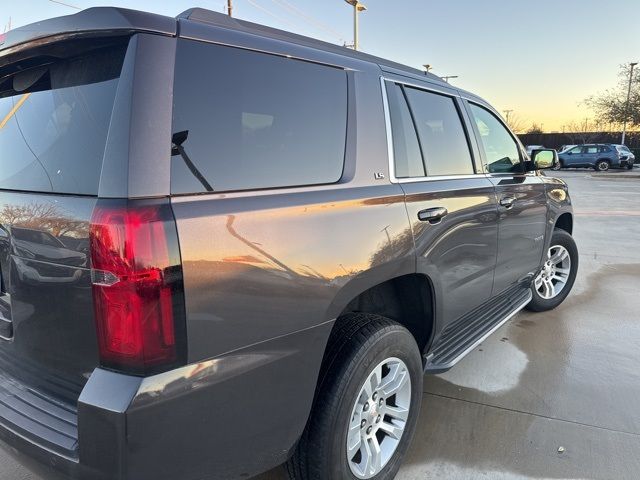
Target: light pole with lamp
<point>626,107</point>
<point>357,8</point>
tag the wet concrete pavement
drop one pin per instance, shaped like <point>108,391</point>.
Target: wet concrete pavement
<point>567,378</point>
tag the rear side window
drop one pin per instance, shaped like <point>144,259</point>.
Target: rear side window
<point>54,121</point>
<point>442,136</point>
<point>406,149</point>
<point>247,120</point>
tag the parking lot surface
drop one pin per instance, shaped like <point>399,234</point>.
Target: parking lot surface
<point>567,378</point>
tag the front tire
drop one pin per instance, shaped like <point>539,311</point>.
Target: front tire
<point>630,167</point>
<point>367,406</point>
<point>555,281</point>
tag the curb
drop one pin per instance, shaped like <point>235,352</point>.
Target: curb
<point>615,175</point>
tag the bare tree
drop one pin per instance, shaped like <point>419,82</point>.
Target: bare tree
<point>43,216</point>
<point>515,123</point>
<point>586,131</point>
<point>535,129</point>
<point>610,106</point>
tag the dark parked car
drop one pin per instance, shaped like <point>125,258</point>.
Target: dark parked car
<point>601,157</point>
<point>282,235</point>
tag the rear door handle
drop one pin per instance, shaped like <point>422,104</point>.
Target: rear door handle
<point>507,202</point>
<point>432,215</point>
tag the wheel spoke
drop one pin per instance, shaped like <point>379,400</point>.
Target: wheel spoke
<point>559,256</point>
<point>538,282</point>
<point>399,413</point>
<point>376,377</point>
<point>552,288</point>
<point>392,430</point>
<point>398,381</point>
<point>353,444</point>
<point>367,458</point>
<point>376,454</point>
<point>354,439</point>
<point>559,278</point>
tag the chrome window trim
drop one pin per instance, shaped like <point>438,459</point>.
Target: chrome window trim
<point>390,151</point>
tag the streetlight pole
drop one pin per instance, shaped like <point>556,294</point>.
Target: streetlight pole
<point>626,108</point>
<point>506,114</point>
<point>230,8</point>
<point>357,8</point>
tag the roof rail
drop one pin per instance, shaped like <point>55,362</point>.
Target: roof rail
<point>218,19</point>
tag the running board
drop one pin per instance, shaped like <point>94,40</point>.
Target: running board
<point>462,336</point>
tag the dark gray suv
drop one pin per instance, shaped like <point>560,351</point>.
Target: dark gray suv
<point>224,247</point>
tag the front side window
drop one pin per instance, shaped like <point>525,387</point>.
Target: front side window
<point>248,120</point>
<point>576,150</point>
<point>501,150</point>
<point>442,136</point>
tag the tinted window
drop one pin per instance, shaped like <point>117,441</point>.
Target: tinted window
<point>54,122</point>
<point>442,137</point>
<point>406,149</point>
<point>501,150</point>
<point>251,120</point>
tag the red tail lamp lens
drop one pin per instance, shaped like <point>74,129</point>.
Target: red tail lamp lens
<point>137,284</point>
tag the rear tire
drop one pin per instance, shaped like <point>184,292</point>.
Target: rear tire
<point>346,411</point>
<point>602,166</point>
<point>543,288</point>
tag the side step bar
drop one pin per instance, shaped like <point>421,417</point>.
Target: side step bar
<point>461,337</point>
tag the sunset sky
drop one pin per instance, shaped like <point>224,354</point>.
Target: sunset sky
<point>540,58</point>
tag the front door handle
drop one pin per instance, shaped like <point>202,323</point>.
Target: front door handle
<point>432,215</point>
<point>507,202</point>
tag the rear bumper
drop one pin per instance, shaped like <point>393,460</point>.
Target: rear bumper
<point>230,417</point>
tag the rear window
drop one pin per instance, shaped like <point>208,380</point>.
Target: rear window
<point>249,120</point>
<point>54,121</point>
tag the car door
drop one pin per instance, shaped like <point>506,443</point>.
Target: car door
<point>521,198</point>
<point>573,158</point>
<point>452,210</point>
<point>590,155</point>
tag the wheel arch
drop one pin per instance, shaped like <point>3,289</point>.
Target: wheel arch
<point>565,222</point>
<point>406,299</point>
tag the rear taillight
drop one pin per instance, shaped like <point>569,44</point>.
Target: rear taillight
<point>137,285</point>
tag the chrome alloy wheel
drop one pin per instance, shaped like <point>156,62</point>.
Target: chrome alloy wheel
<point>555,273</point>
<point>378,418</point>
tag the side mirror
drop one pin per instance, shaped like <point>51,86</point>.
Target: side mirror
<point>543,159</point>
